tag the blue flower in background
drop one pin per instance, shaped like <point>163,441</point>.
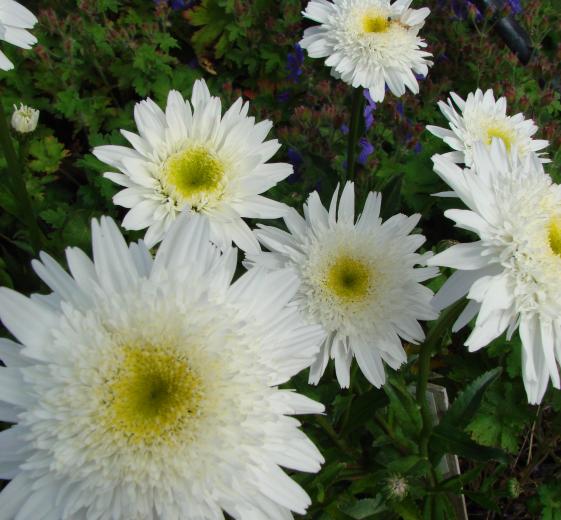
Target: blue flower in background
<point>516,6</point>
<point>368,109</point>
<point>344,129</point>
<point>296,160</point>
<point>294,63</point>
<point>366,149</point>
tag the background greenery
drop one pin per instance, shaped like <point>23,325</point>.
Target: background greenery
<point>96,58</point>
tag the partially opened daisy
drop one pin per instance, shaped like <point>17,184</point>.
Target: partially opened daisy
<point>358,280</point>
<point>147,389</point>
<point>369,43</point>
<point>194,157</point>
<point>512,273</point>
<point>14,20</point>
<point>481,118</point>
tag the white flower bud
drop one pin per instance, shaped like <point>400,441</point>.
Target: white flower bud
<point>24,119</point>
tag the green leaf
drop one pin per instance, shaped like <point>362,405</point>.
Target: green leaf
<point>502,418</point>
<point>467,402</point>
<point>366,507</point>
<point>447,439</point>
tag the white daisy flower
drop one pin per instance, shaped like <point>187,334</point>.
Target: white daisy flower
<point>196,158</point>
<point>369,43</point>
<point>358,280</point>
<point>481,118</point>
<point>512,274</point>
<point>147,389</point>
<point>14,20</point>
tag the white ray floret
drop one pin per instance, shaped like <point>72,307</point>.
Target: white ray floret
<point>15,19</point>
<point>512,274</point>
<point>481,118</point>
<point>358,281</point>
<point>192,156</point>
<point>369,43</point>
<point>147,389</point>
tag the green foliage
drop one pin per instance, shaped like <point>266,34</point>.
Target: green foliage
<point>96,58</point>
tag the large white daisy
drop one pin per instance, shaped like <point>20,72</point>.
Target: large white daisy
<point>358,280</point>
<point>512,274</point>
<point>369,43</point>
<point>14,20</point>
<point>196,158</point>
<point>481,118</point>
<point>147,389</point>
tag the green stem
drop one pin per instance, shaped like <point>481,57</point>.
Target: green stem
<point>18,187</point>
<point>356,112</point>
<point>434,339</point>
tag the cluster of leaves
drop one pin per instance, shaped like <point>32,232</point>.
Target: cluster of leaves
<point>96,58</point>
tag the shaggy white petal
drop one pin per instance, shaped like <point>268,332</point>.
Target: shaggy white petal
<point>482,119</point>
<point>512,274</point>
<point>369,43</point>
<point>357,280</point>
<point>14,20</point>
<point>191,158</point>
<point>148,388</point>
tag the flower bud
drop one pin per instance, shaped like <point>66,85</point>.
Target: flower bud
<point>397,487</point>
<point>24,119</point>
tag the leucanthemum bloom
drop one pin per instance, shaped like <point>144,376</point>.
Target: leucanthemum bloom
<point>512,274</point>
<point>358,281</point>
<point>369,43</point>
<point>482,119</point>
<point>14,20</point>
<point>193,157</point>
<point>147,389</point>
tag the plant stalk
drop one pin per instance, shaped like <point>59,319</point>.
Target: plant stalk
<point>434,339</point>
<point>18,188</point>
<point>356,113</point>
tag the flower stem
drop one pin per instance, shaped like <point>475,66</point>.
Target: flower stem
<point>17,185</point>
<point>356,111</point>
<point>433,340</point>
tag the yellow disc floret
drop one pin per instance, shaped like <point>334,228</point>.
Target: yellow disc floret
<point>153,394</point>
<point>554,235</point>
<point>348,279</point>
<point>375,23</point>
<point>194,175</point>
<point>500,131</point>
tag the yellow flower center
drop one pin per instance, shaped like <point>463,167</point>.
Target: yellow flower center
<point>348,279</point>
<point>499,131</point>
<point>375,23</point>
<point>554,235</point>
<point>194,174</point>
<point>153,394</point>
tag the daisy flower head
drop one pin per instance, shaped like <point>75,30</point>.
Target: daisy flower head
<point>481,118</point>
<point>369,43</point>
<point>191,156</point>
<point>358,281</point>
<point>512,273</point>
<point>146,388</point>
<point>14,22</point>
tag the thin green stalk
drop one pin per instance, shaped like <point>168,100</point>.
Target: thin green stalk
<point>433,340</point>
<point>18,187</point>
<point>356,113</point>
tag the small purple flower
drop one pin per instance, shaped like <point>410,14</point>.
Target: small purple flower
<point>399,108</point>
<point>344,129</point>
<point>366,149</point>
<point>296,160</point>
<point>283,97</point>
<point>368,109</point>
<point>177,5</point>
<point>294,62</point>
<point>418,147</point>
<point>516,6</point>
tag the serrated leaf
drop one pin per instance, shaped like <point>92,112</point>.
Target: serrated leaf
<point>467,402</point>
